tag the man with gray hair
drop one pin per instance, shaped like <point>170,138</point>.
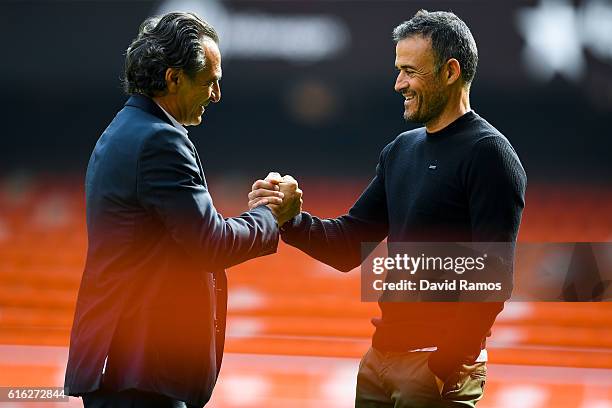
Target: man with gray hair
<point>457,179</point>
<point>149,326</point>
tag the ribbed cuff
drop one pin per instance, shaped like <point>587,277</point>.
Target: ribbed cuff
<point>291,224</point>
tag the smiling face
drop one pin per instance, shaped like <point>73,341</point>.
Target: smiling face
<point>425,95</point>
<point>192,95</point>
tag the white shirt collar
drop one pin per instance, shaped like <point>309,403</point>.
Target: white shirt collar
<point>174,121</point>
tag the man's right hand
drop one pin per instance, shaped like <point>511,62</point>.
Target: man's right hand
<point>264,192</point>
<point>280,194</point>
<point>292,200</point>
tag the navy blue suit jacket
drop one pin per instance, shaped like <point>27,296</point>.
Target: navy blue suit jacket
<point>152,302</point>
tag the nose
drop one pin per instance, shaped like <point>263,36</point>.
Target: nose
<point>401,83</point>
<point>216,92</point>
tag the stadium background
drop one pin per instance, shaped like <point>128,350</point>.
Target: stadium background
<point>307,90</point>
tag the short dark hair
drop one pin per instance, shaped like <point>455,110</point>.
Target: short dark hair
<point>169,41</point>
<point>450,38</point>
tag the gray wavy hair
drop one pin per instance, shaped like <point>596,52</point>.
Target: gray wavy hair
<point>173,40</point>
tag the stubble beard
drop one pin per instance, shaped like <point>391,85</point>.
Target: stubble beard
<point>429,112</point>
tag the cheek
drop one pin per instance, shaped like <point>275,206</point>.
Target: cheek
<point>195,103</point>
<point>203,97</point>
<point>426,93</point>
<point>418,87</point>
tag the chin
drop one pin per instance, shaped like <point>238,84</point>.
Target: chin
<point>410,117</point>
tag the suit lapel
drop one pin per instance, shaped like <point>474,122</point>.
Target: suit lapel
<point>201,168</point>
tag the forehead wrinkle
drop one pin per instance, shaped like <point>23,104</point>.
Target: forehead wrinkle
<point>419,66</point>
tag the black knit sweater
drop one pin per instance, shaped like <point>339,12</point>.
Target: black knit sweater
<point>463,183</point>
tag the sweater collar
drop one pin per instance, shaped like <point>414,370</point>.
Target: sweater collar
<point>455,125</point>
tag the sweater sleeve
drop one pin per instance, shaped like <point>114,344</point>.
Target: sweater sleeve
<point>337,241</point>
<point>496,183</point>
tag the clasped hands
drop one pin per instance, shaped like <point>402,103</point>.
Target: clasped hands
<point>280,194</point>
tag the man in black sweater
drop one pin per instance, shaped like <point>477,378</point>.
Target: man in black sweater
<point>457,179</point>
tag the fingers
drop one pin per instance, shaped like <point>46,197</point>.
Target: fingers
<point>272,181</point>
<point>287,178</point>
<point>264,201</point>
<point>281,194</point>
<point>256,203</point>
<point>260,193</point>
<point>289,181</point>
<point>297,193</point>
<point>274,177</point>
<point>264,194</point>
<point>288,184</point>
<point>265,184</point>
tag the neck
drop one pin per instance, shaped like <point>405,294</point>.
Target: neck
<point>457,106</point>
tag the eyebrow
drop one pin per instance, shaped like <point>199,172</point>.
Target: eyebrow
<point>215,78</point>
<point>406,66</point>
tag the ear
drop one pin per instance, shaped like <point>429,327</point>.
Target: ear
<point>173,79</point>
<point>452,71</point>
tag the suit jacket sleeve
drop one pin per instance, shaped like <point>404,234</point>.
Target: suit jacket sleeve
<point>171,186</point>
<point>496,183</point>
<point>337,241</point>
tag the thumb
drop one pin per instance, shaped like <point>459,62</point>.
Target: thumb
<point>273,177</point>
<point>288,179</point>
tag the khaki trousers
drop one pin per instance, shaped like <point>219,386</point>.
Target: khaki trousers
<point>403,380</point>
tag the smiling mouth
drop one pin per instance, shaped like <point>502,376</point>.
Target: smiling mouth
<point>407,100</point>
